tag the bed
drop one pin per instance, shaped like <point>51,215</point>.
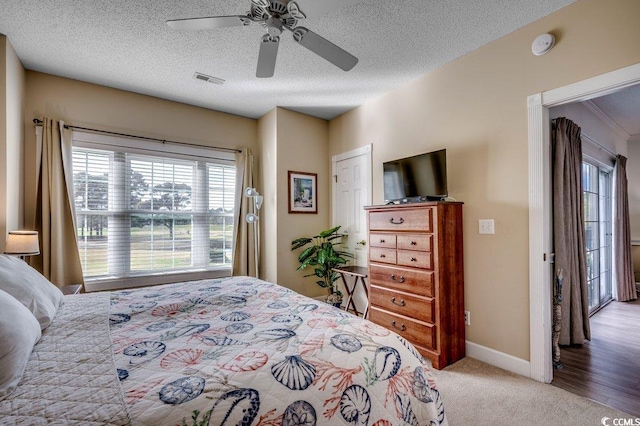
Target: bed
<point>233,351</point>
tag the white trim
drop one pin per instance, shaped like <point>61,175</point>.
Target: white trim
<point>590,88</point>
<point>497,359</point>
<point>539,246</point>
<point>367,149</point>
<point>363,150</point>
<point>154,279</point>
<point>540,204</point>
<point>634,138</point>
<point>591,106</point>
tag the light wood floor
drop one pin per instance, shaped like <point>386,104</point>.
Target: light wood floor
<point>607,369</point>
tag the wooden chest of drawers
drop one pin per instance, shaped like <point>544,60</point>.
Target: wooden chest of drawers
<point>416,276</point>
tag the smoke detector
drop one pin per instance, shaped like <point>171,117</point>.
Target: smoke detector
<point>542,44</point>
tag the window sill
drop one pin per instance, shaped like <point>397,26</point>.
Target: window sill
<point>108,284</point>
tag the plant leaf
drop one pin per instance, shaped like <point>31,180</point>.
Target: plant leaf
<point>325,234</point>
<point>300,242</point>
<point>307,253</point>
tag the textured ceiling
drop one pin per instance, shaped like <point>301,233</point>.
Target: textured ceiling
<point>623,108</point>
<point>126,44</point>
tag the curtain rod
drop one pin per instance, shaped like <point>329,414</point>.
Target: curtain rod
<point>67,126</point>
<point>604,148</point>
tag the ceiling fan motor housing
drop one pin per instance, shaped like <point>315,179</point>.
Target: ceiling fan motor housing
<point>275,9</point>
<point>274,26</point>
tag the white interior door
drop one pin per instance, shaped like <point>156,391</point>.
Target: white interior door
<point>351,192</point>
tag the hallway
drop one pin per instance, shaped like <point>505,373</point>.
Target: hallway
<point>607,369</point>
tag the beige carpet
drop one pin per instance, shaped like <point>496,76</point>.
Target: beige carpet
<point>478,394</point>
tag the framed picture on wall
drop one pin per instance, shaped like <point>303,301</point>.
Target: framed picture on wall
<point>302,192</point>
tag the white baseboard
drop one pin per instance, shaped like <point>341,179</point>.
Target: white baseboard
<point>498,359</point>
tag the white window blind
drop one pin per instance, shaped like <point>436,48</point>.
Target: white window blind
<point>142,214</point>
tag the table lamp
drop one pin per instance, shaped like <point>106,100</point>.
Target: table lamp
<point>22,243</point>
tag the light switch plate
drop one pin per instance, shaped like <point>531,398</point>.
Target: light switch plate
<point>486,226</point>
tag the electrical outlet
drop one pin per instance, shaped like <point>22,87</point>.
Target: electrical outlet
<point>486,226</point>
<point>467,317</point>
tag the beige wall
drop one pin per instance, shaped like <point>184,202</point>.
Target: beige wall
<point>90,105</point>
<point>302,147</point>
<point>268,152</point>
<point>476,108</point>
<point>12,94</point>
<point>297,142</point>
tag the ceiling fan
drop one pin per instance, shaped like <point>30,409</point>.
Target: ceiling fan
<point>276,16</point>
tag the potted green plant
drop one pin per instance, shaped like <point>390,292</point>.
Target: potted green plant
<point>323,256</point>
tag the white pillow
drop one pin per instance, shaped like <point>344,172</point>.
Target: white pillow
<point>30,288</point>
<point>19,332</point>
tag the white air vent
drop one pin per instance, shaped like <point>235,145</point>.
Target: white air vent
<point>208,78</point>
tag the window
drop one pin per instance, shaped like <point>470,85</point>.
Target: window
<point>142,213</point>
<point>596,191</point>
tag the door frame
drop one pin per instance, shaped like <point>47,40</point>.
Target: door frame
<point>363,150</point>
<point>540,320</point>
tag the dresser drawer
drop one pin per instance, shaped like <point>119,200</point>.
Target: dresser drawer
<point>418,332</point>
<point>402,220</point>
<point>384,255</point>
<point>421,308</point>
<point>407,280</point>
<point>415,259</point>
<point>420,242</point>
<point>382,240</point>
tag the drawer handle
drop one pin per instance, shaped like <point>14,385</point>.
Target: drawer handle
<point>401,328</point>
<point>413,259</point>
<point>382,256</point>
<point>413,243</point>
<point>400,280</point>
<point>382,241</point>
<point>400,303</point>
<point>399,222</point>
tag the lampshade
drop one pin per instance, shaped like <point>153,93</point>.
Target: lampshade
<point>23,243</point>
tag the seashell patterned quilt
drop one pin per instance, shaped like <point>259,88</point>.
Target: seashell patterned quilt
<point>234,352</point>
<point>241,351</point>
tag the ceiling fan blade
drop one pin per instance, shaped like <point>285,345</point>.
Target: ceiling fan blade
<point>313,8</point>
<point>209,23</point>
<point>267,56</point>
<point>324,48</point>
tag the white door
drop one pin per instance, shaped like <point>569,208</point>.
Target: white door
<point>351,192</point>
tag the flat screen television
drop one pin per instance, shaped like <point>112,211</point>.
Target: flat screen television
<point>419,178</point>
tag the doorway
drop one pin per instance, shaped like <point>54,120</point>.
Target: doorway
<point>352,189</point>
<point>541,367</point>
<point>605,369</point>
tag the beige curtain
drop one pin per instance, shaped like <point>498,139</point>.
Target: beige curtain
<point>625,279</point>
<point>244,240</point>
<point>59,259</point>
<point>568,230</point>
